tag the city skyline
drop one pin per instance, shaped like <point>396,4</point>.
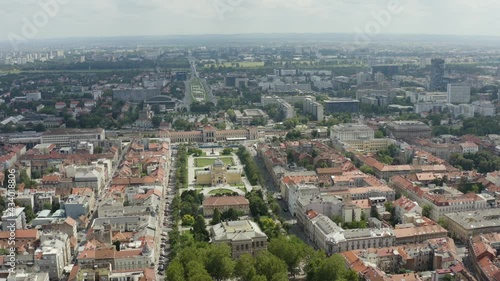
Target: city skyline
<point>104,18</point>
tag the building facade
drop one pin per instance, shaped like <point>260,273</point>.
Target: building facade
<point>409,130</point>
<point>210,134</point>
<point>244,237</point>
<point>341,106</point>
<point>458,93</point>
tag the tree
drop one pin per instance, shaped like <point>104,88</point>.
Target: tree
<point>175,271</point>
<point>314,134</point>
<point>117,245</point>
<point>426,210</point>
<point>196,271</point>
<point>227,151</point>
<point>244,269</point>
<point>55,206</point>
<point>379,134</point>
<point>367,169</point>
<point>320,268</point>
<point>449,277</point>
<point>289,249</point>
<point>156,121</point>
<point>216,218</point>
<point>268,265</point>
<point>230,215</point>
<point>28,211</point>
<point>259,278</point>
<point>257,205</point>
<point>39,127</point>
<point>187,220</point>
<point>200,229</point>
<point>98,150</point>
<point>219,263</point>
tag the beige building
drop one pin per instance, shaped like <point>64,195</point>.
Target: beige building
<point>464,225</point>
<point>218,174</point>
<point>224,203</point>
<point>210,134</point>
<point>249,115</point>
<point>409,130</point>
<point>369,145</point>
<point>419,234</point>
<point>244,237</point>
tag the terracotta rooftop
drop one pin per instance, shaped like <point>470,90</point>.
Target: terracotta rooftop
<point>225,201</point>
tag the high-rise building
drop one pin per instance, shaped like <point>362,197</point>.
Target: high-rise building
<point>363,78</point>
<point>437,73</point>
<point>458,93</point>
<point>314,108</point>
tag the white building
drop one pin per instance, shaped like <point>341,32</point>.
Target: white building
<point>469,147</point>
<point>33,96</point>
<point>314,108</point>
<point>379,77</point>
<point>65,137</point>
<point>363,77</point>
<point>330,237</point>
<point>458,93</point>
<point>18,218</point>
<point>346,132</point>
<point>484,108</point>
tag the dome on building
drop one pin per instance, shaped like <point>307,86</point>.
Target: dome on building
<point>218,163</point>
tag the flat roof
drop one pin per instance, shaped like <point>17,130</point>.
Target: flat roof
<point>476,219</point>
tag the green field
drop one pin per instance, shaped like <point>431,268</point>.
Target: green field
<point>221,191</point>
<point>198,91</point>
<point>203,162</point>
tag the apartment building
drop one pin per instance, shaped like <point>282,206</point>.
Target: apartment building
<point>17,218</point>
<point>314,108</point>
<point>443,200</point>
<point>385,172</point>
<point>458,93</point>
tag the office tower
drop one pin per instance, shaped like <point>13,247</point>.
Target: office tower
<point>437,73</point>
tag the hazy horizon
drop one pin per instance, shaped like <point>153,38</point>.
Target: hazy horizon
<point>137,18</point>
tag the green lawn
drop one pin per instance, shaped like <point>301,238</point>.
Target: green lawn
<point>221,191</point>
<point>203,162</point>
<point>197,90</point>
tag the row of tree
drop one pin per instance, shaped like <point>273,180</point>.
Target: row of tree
<point>251,170</point>
<point>284,257</point>
<point>182,169</point>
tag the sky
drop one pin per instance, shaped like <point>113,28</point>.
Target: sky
<point>96,18</point>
